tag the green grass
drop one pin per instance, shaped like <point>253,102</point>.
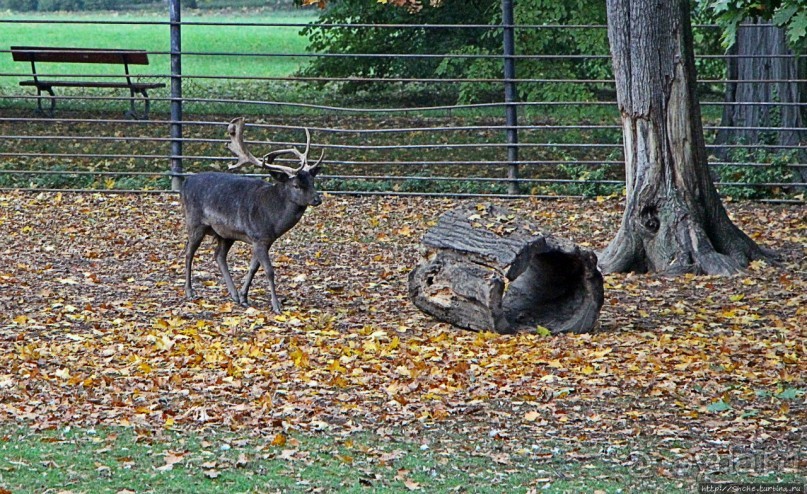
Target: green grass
<point>435,460</point>
<point>154,37</point>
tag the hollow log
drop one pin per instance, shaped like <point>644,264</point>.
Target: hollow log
<point>485,269</point>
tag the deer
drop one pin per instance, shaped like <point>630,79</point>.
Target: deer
<point>232,208</point>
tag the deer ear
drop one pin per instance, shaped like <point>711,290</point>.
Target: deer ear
<point>280,176</point>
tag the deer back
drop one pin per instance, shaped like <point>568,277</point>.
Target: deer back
<point>241,208</point>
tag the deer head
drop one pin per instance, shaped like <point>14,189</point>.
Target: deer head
<point>299,181</point>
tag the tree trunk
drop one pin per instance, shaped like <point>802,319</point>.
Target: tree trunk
<point>674,221</point>
<point>486,270</point>
<point>762,54</point>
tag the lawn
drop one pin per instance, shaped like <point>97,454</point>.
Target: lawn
<point>206,46</point>
<point>111,381</point>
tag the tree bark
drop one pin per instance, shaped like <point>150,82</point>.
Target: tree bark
<point>486,270</point>
<point>762,54</point>
<point>674,221</point>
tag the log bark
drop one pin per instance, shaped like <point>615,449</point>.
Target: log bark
<point>484,269</point>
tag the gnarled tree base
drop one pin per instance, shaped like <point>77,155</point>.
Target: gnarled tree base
<point>667,236</point>
<point>485,269</point>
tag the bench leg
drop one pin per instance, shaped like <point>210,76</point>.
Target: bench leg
<point>39,110</point>
<point>132,113</point>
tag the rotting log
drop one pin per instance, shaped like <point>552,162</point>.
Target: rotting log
<point>485,269</point>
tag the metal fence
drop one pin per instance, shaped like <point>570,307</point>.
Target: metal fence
<point>381,135</point>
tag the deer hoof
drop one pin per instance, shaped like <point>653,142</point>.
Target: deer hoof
<point>190,293</point>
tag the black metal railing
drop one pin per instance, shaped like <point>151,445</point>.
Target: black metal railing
<point>396,135</point>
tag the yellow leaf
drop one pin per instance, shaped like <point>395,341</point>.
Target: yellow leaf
<point>336,367</point>
<point>299,358</point>
<point>279,440</point>
<point>404,371</point>
<point>602,353</point>
<point>532,416</point>
<point>164,343</point>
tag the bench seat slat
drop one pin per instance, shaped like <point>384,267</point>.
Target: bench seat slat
<point>134,85</point>
<point>78,55</point>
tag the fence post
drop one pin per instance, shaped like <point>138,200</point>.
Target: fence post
<point>510,96</point>
<point>176,93</point>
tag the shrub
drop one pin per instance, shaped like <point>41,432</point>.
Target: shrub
<point>753,169</point>
<point>588,181</point>
<point>19,5</point>
<point>102,4</point>
<point>59,5</point>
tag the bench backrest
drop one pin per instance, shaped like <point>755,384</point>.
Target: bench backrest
<point>78,55</point>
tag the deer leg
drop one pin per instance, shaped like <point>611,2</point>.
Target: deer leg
<point>261,252</point>
<point>223,247</point>
<point>253,268</point>
<point>195,237</point>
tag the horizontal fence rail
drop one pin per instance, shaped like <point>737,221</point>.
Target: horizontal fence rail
<point>449,129</point>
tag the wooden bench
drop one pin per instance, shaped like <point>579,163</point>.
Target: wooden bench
<point>41,54</point>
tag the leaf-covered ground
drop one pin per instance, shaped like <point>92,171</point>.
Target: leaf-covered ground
<point>95,331</point>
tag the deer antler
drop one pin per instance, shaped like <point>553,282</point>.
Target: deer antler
<point>303,157</point>
<point>317,164</point>
<point>237,146</point>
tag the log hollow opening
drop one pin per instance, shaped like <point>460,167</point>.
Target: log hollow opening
<point>551,284</point>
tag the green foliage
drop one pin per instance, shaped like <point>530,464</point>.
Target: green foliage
<point>571,42</point>
<point>587,181</point>
<point>707,40</point>
<point>421,185</point>
<point>61,180</point>
<point>94,5</point>
<point>19,5</point>
<point>465,44</point>
<point>753,169</point>
<point>59,5</point>
<point>788,14</point>
<point>473,92</point>
<point>101,4</point>
<point>403,40</point>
